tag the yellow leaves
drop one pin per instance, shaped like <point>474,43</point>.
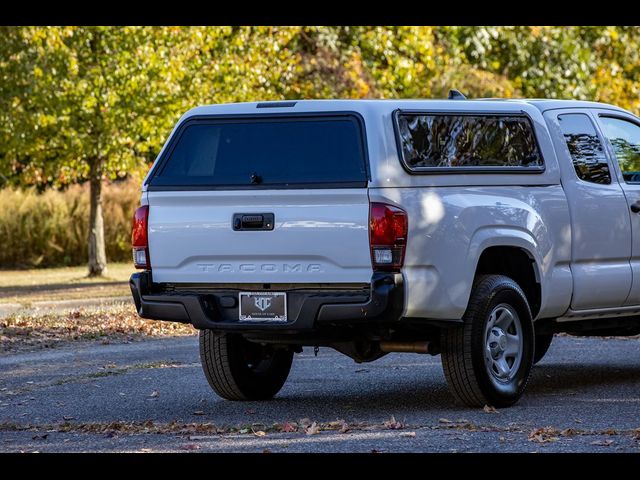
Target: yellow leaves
<point>609,85</point>
<point>89,103</point>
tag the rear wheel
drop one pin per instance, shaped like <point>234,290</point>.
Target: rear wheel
<point>487,360</point>
<point>238,369</point>
<point>543,342</point>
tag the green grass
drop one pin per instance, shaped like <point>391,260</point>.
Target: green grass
<point>65,283</point>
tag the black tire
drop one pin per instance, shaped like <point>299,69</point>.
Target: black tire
<point>543,342</point>
<point>238,369</point>
<point>463,347</point>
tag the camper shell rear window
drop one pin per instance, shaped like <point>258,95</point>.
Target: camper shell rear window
<point>265,152</point>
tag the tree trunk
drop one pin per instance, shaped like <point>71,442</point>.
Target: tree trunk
<point>97,254</point>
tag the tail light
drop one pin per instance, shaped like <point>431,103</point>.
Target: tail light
<point>140,238</point>
<point>388,226</point>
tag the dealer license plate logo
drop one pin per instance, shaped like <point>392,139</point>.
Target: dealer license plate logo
<point>263,306</point>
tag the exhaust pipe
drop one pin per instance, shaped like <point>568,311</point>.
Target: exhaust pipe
<point>405,347</point>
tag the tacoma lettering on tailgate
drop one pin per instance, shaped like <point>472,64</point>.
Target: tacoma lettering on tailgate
<point>260,267</point>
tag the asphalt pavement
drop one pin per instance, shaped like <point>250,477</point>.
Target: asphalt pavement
<point>152,396</point>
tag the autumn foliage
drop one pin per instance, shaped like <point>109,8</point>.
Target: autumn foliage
<point>82,104</point>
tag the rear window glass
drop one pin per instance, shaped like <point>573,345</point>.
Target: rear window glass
<point>290,151</point>
<point>449,141</point>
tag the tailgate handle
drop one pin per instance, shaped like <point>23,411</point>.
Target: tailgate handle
<point>253,221</point>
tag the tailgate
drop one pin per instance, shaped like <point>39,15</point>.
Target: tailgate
<point>319,236</point>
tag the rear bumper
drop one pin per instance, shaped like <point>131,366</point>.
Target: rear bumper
<point>308,309</point>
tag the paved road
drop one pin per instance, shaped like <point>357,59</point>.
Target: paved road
<point>587,390</point>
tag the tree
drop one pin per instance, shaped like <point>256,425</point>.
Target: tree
<point>589,63</point>
<point>85,103</point>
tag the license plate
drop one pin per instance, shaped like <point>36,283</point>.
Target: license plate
<point>263,307</point>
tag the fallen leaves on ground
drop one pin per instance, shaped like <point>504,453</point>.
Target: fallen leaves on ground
<point>393,424</point>
<point>207,431</point>
<point>544,435</point>
<point>116,323</point>
<point>312,429</point>
<point>287,427</point>
<point>149,426</point>
<point>339,425</point>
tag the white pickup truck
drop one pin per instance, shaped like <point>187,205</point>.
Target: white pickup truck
<point>473,229</point>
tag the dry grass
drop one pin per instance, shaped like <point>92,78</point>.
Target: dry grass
<point>66,283</point>
<point>114,324</point>
<point>117,272</point>
<point>50,228</point>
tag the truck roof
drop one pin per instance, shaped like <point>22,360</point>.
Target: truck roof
<point>387,105</point>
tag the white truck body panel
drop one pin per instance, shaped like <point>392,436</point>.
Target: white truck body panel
<point>454,225</point>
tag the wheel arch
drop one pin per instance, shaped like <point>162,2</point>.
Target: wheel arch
<point>511,252</point>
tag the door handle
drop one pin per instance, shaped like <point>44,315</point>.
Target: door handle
<point>635,207</point>
<point>253,221</point>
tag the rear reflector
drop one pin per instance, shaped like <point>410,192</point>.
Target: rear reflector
<point>388,226</point>
<point>140,257</point>
<point>139,238</point>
